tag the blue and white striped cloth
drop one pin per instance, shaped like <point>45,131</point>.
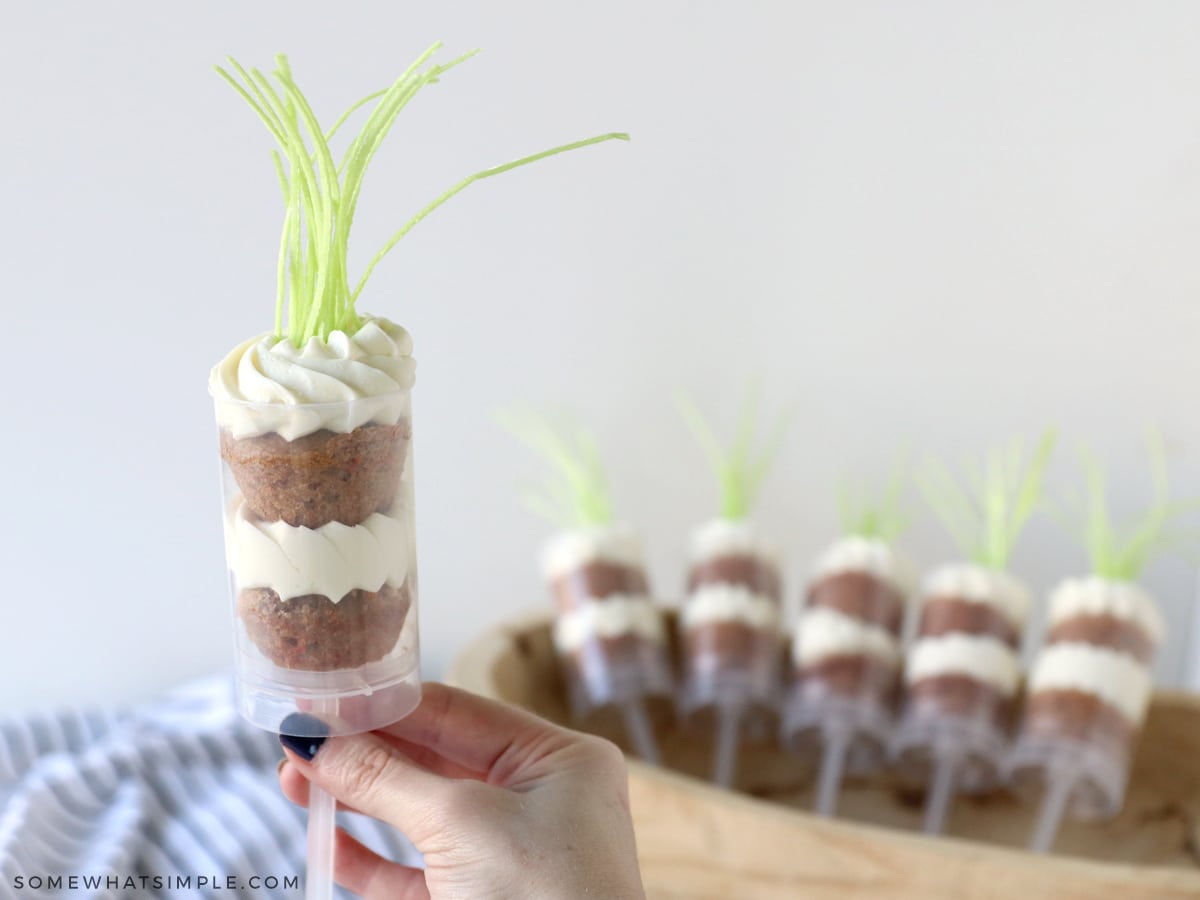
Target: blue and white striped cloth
<point>181,788</point>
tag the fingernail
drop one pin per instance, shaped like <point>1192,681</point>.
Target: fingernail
<point>282,763</point>
<point>303,734</point>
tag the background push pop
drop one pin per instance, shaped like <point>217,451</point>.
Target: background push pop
<point>315,421</point>
<point>730,621</point>
<point>963,667</point>
<point>846,648</point>
<point>608,634</point>
<point>1091,683</point>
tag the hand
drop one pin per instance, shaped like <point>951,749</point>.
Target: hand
<point>499,802</point>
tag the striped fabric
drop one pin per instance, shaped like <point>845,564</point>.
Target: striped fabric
<point>181,788</point>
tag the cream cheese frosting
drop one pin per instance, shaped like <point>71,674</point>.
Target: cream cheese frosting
<point>730,537</point>
<point>870,556</point>
<point>978,584</point>
<point>572,550</point>
<point>1116,678</point>
<point>982,657</point>
<point>268,385</point>
<point>331,561</point>
<point>1095,596</point>
<point>822,633</point>
<point>729,603</point>
<point>612,617</point>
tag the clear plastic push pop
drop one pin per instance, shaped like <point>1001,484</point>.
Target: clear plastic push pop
<point>962,670</point>
<point>730,629</point>
<point>1091,683</point>
<point>316,436</point>
<point>608,633</point>
<point>846,650</point>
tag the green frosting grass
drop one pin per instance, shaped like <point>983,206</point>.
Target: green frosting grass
<point>740,469</point>
<point>986,517</point>
<point>321,195</point>
<point>575,492</point>
<point>877,518</point>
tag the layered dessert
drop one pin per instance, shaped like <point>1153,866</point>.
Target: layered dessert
<point>608,633</point>
<point>318,530</point>
<point>730,621</point>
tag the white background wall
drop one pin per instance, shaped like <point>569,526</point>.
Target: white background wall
<point>931,225</point>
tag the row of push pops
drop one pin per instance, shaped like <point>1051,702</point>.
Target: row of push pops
<point>941,713</point>
<point>946,711</point>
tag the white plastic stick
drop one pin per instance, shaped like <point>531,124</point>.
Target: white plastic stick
<point>729,728</point>
<point>1059,786</point>
<point>833,764</point>
<point>641,735</point>
<point>318,879</point>
<point>941,792</point>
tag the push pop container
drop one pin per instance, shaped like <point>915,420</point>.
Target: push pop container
<point>732,643</point>
<point>1087,698</point>
<point>846,662</point>
<point>608,634</point>
<point>320,544</point>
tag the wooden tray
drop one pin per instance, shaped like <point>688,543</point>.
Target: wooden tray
<point>697,841</point>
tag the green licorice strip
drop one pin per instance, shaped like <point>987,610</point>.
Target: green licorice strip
<point>986,520</point>
<point>576,491</point>
<point>1123,558</point>
<point>740,471</point>
<point>880,518</point>
<point>321,196</point>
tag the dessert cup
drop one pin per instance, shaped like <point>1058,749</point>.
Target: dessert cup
<point>320,545</point>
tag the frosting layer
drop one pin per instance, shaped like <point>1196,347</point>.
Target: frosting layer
<point>729,537</point>
<point>612,617</point>
<point>729,603</point>
<point>823,632</point>
<point>1116,678</point>
<point>982,657</point>
<point>978,584</point>
<point>331,561</point>
<point>870,556</point>
<point>570,551</point>
<point>267,385</point>
<point>1094,596</point>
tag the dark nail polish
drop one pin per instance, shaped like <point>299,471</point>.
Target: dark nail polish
<point>303,734</point>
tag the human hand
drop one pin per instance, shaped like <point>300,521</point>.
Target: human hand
<point>499,802</point>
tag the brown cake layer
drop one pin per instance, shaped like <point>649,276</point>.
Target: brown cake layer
<point>1077,715</point>
<point>732,645</point>
<point>953,615</point>
<point>314,634</point>
<point>959,695</point>
<point>596,581</point>
<point>321,477</point>
<point>849,675</point>
<point>862,596</point>
<point>751,572</point>
<point>1105,631</point>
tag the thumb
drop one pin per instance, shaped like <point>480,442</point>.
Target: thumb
<point>370,775</point>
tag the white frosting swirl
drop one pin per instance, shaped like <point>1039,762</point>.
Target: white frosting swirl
<point>729,603</point>
<point>982,657</point>
<point>570,551</point>
<point>330,561</point>
<point>611,617</point>
<point>870,556</point>
<point>1116,678</point>
<point>822,632</point>
<point>978,584</point>
<point>267,384</point>
<point>1095,596</point>
<point>730,537</point>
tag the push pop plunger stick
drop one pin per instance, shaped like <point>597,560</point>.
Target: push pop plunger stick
<point>846,648</point>
<point>316,435</point>
<point>730,622</point>
<point>608,633</point>
<point>1091,683</point>
<point>962,669</point>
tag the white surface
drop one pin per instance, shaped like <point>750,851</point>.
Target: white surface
<point>980,656</point>
<point>615,615</point>
<point>1116,678</point>
<point>930,225</point>
<point>713,603</point>
<point>822,632</point>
